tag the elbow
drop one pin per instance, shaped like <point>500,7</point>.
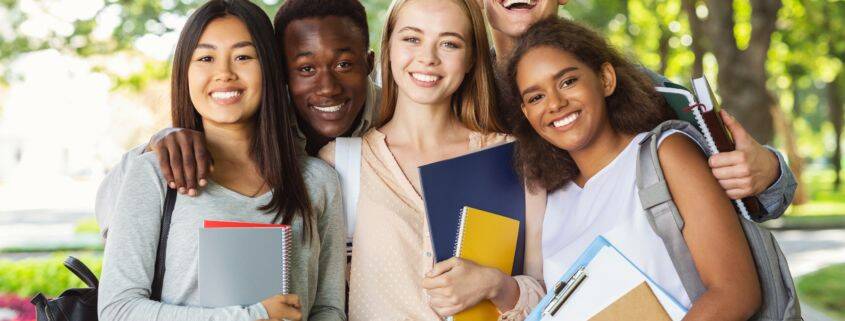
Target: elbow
<point>753,298</point>
<point>739,302</point>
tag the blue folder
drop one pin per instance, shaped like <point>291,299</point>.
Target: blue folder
<point>583,260</point>
<point>485,180</point>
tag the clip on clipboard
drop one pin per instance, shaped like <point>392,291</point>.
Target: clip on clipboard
<point>563,290</point>
<point>612,277</point>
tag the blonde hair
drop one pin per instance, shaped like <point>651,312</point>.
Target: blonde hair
<point>474,102</point>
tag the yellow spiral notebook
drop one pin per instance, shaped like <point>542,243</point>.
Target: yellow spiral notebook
<point>487,239</point>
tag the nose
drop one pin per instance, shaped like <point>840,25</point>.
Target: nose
<point>223,71</point>
<point>328,84</point>
<point>557,101</point>
<point>427,55</point>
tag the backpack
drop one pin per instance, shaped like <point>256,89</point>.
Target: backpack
<point>81,304</point>
<point>347,163</point>
<point>779,298</point>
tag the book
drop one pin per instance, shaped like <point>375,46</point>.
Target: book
<point>703,111</point>
<point>485,180</point>
<point>242,263</point>
<point>487,239</point>
<point>603,283</point>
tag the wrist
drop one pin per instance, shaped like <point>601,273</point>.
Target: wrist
<point>500,286</point>
<point>774,172</point>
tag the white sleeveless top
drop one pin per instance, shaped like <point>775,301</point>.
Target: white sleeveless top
<point>607,205</point>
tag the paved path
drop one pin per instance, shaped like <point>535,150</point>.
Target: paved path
<point>806,251</point>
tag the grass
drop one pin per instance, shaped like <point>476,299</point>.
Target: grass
<point>87,226</point>
<point>823,199</point>
<point>825,289</point>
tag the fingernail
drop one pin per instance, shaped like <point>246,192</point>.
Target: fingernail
<point>171,184</point>
<point>203,182</point>
<point>181,190</point>
<point>192,192</point>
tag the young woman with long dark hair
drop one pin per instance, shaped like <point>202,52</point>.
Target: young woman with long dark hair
<point>226,83</point>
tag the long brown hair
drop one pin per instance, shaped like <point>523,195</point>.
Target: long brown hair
<point>633,107</point>
<point>474,102</point>
<point>273,147</point>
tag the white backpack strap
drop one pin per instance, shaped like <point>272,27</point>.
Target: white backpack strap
<point>347,162</point>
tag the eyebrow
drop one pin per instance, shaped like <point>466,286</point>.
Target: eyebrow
<point>235,46</point>
<point>559,74</point>
<point>310,53</point>
<point>453,34</point>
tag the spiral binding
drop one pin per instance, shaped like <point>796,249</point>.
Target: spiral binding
<point>287,238</point>
<point>711,145</point>
<point>459,240</point>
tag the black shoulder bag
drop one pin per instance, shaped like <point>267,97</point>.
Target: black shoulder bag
<point>81,304</point>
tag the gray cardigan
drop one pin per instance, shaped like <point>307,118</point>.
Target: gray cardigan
<point>317,271</point>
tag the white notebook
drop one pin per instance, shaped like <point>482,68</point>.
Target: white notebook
<point>242,265</point>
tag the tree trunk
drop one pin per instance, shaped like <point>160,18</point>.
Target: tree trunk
<point>663,49</point>
<point>742,73</point>
<point>697,45</point>
<point>834,102</point>
<point>796,163</point>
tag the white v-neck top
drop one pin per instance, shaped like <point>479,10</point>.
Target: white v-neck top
<point>608,205</point>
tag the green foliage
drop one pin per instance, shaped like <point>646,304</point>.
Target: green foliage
<point>153,71</point>
<point>87,226</point>
<point>825,289</point>
<point>45,275</point>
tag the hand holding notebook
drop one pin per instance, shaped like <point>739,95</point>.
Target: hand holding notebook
<point>489,240</point>
<point>704,112</point>
<point>243,263</point>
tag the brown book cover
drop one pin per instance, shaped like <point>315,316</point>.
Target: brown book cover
<point>638,304</point>
<point>719,136</point>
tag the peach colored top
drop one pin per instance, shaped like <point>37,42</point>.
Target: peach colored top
<point>392,248</point>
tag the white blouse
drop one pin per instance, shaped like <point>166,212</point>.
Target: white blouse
<point>607,205</point>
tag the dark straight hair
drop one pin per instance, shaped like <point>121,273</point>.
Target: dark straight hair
<point>273,148</point>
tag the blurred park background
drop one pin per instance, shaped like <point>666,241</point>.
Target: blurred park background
<point>82,81</point>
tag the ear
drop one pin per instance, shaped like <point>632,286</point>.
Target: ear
<point>608,79</point>
<point>562,2</point>
<point>371,61</point>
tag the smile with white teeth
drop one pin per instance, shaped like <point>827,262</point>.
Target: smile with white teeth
<point>424,77</point>
<point>566,120</point>
<point>328,109</point>
<point>225,94</point>
<point>518,4</point>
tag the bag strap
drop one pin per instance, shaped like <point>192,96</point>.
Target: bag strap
<point>662,213</point>
<point>347,160</point>
<point>82,272</point>
<point>161,252</point>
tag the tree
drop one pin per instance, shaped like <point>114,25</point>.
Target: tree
<point>742,72</point>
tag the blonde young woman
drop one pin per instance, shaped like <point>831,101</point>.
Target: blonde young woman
<point>437,103</point>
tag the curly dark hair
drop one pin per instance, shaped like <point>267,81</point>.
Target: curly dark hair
<point>633,107</point>
<point>293,10</point>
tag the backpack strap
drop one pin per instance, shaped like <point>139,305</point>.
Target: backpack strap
<point>347,162</point>
<point>663,214</point>
<point>82,272</point>
<point>161,252</point>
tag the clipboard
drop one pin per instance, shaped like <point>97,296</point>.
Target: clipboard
<point>603,275</point>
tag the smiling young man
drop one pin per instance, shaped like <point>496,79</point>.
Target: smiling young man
<point>752,169</point>
<point>327,65</point>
